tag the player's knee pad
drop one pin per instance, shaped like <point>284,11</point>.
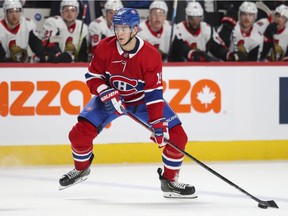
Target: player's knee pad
<point>177,137</point>
<point>82,135</point>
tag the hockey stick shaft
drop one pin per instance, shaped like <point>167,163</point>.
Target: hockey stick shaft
<point>175,3</point>
<point>270,203</point>
<point>262,6</point>
<point>81,32</point>
<point>234,40</point>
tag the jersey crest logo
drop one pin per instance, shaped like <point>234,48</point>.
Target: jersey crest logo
<point>69,46</point>
<point>124,85</point>
<point>17,54</point>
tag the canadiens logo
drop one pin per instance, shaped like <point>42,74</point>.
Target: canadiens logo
<point>124,85</point>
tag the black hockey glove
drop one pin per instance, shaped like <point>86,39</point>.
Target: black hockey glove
<point>270,31</point>
<point>2,54</point>
<point>199,56</point>
<point>236,56</point>
<point>229,22</point>
<point>225,32</point>
<point>60,58</point>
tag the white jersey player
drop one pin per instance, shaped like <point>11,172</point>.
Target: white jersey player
<point>17,34</point>
<point>275,32</point>
<point>156,29</point>
<point>245,37</point>
<point>66,32</point>
<point>195,38</point>
<point>102,27</point>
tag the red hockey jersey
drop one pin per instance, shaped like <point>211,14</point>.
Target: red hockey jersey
<point>137,74</point>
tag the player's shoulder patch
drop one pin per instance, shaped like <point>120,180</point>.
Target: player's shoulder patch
<point>98,20</point>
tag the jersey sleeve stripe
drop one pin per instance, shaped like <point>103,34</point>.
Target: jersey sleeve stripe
<point>90,76</point>
<point>154,96</point>
<point>154,102</point>
<point>135,100</point>
<point>151,90</point>
<point>101,88</point>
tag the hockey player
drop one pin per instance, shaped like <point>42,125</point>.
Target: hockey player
<point>125,75</point>
<point>275,31</point>
<point>195,38</point>
<point>18,36</point>
<point>156,29</point>
<point>102,27</point>
<point>245,37</point>
<point>65,32</point>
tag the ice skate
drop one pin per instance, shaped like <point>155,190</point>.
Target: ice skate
<point>175,189</point>
<point>74,177</point>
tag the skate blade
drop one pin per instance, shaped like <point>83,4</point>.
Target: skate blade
<point>178,196</point>
<point>76,182</point>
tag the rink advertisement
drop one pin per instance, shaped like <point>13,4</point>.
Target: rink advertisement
<point>39,105</point>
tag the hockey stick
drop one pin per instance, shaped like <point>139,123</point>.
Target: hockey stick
<point>260,5</point>
<point>175,3</point>
<point>261,203</point>
<point>235,44</point>
<point>234,40</point>
<point>81,31</point>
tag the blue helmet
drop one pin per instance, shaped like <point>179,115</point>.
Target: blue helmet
<point>126,16</point>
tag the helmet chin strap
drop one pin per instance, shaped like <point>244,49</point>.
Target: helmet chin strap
<point>130,37</point>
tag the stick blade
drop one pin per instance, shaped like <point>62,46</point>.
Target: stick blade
<point>266,204</point>
<point>272,204</point>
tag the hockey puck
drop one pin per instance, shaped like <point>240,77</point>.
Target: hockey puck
<point>263,205</point>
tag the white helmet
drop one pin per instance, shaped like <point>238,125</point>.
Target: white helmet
<point>72,3</point>
<point>11,4</point>
<point>159,5</point>
<point>248,7</point>
<point>194,9</point>
<point>282,10</point>
<point>113,5</point>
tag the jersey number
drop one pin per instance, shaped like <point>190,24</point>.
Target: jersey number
<point>95,38</point>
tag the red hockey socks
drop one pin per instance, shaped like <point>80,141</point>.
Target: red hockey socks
<point>172,159</point>
<point>81,137</point>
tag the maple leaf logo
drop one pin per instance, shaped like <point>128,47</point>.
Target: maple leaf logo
<point>206,96</point>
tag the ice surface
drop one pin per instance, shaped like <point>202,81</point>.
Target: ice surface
<point>126,189</point>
